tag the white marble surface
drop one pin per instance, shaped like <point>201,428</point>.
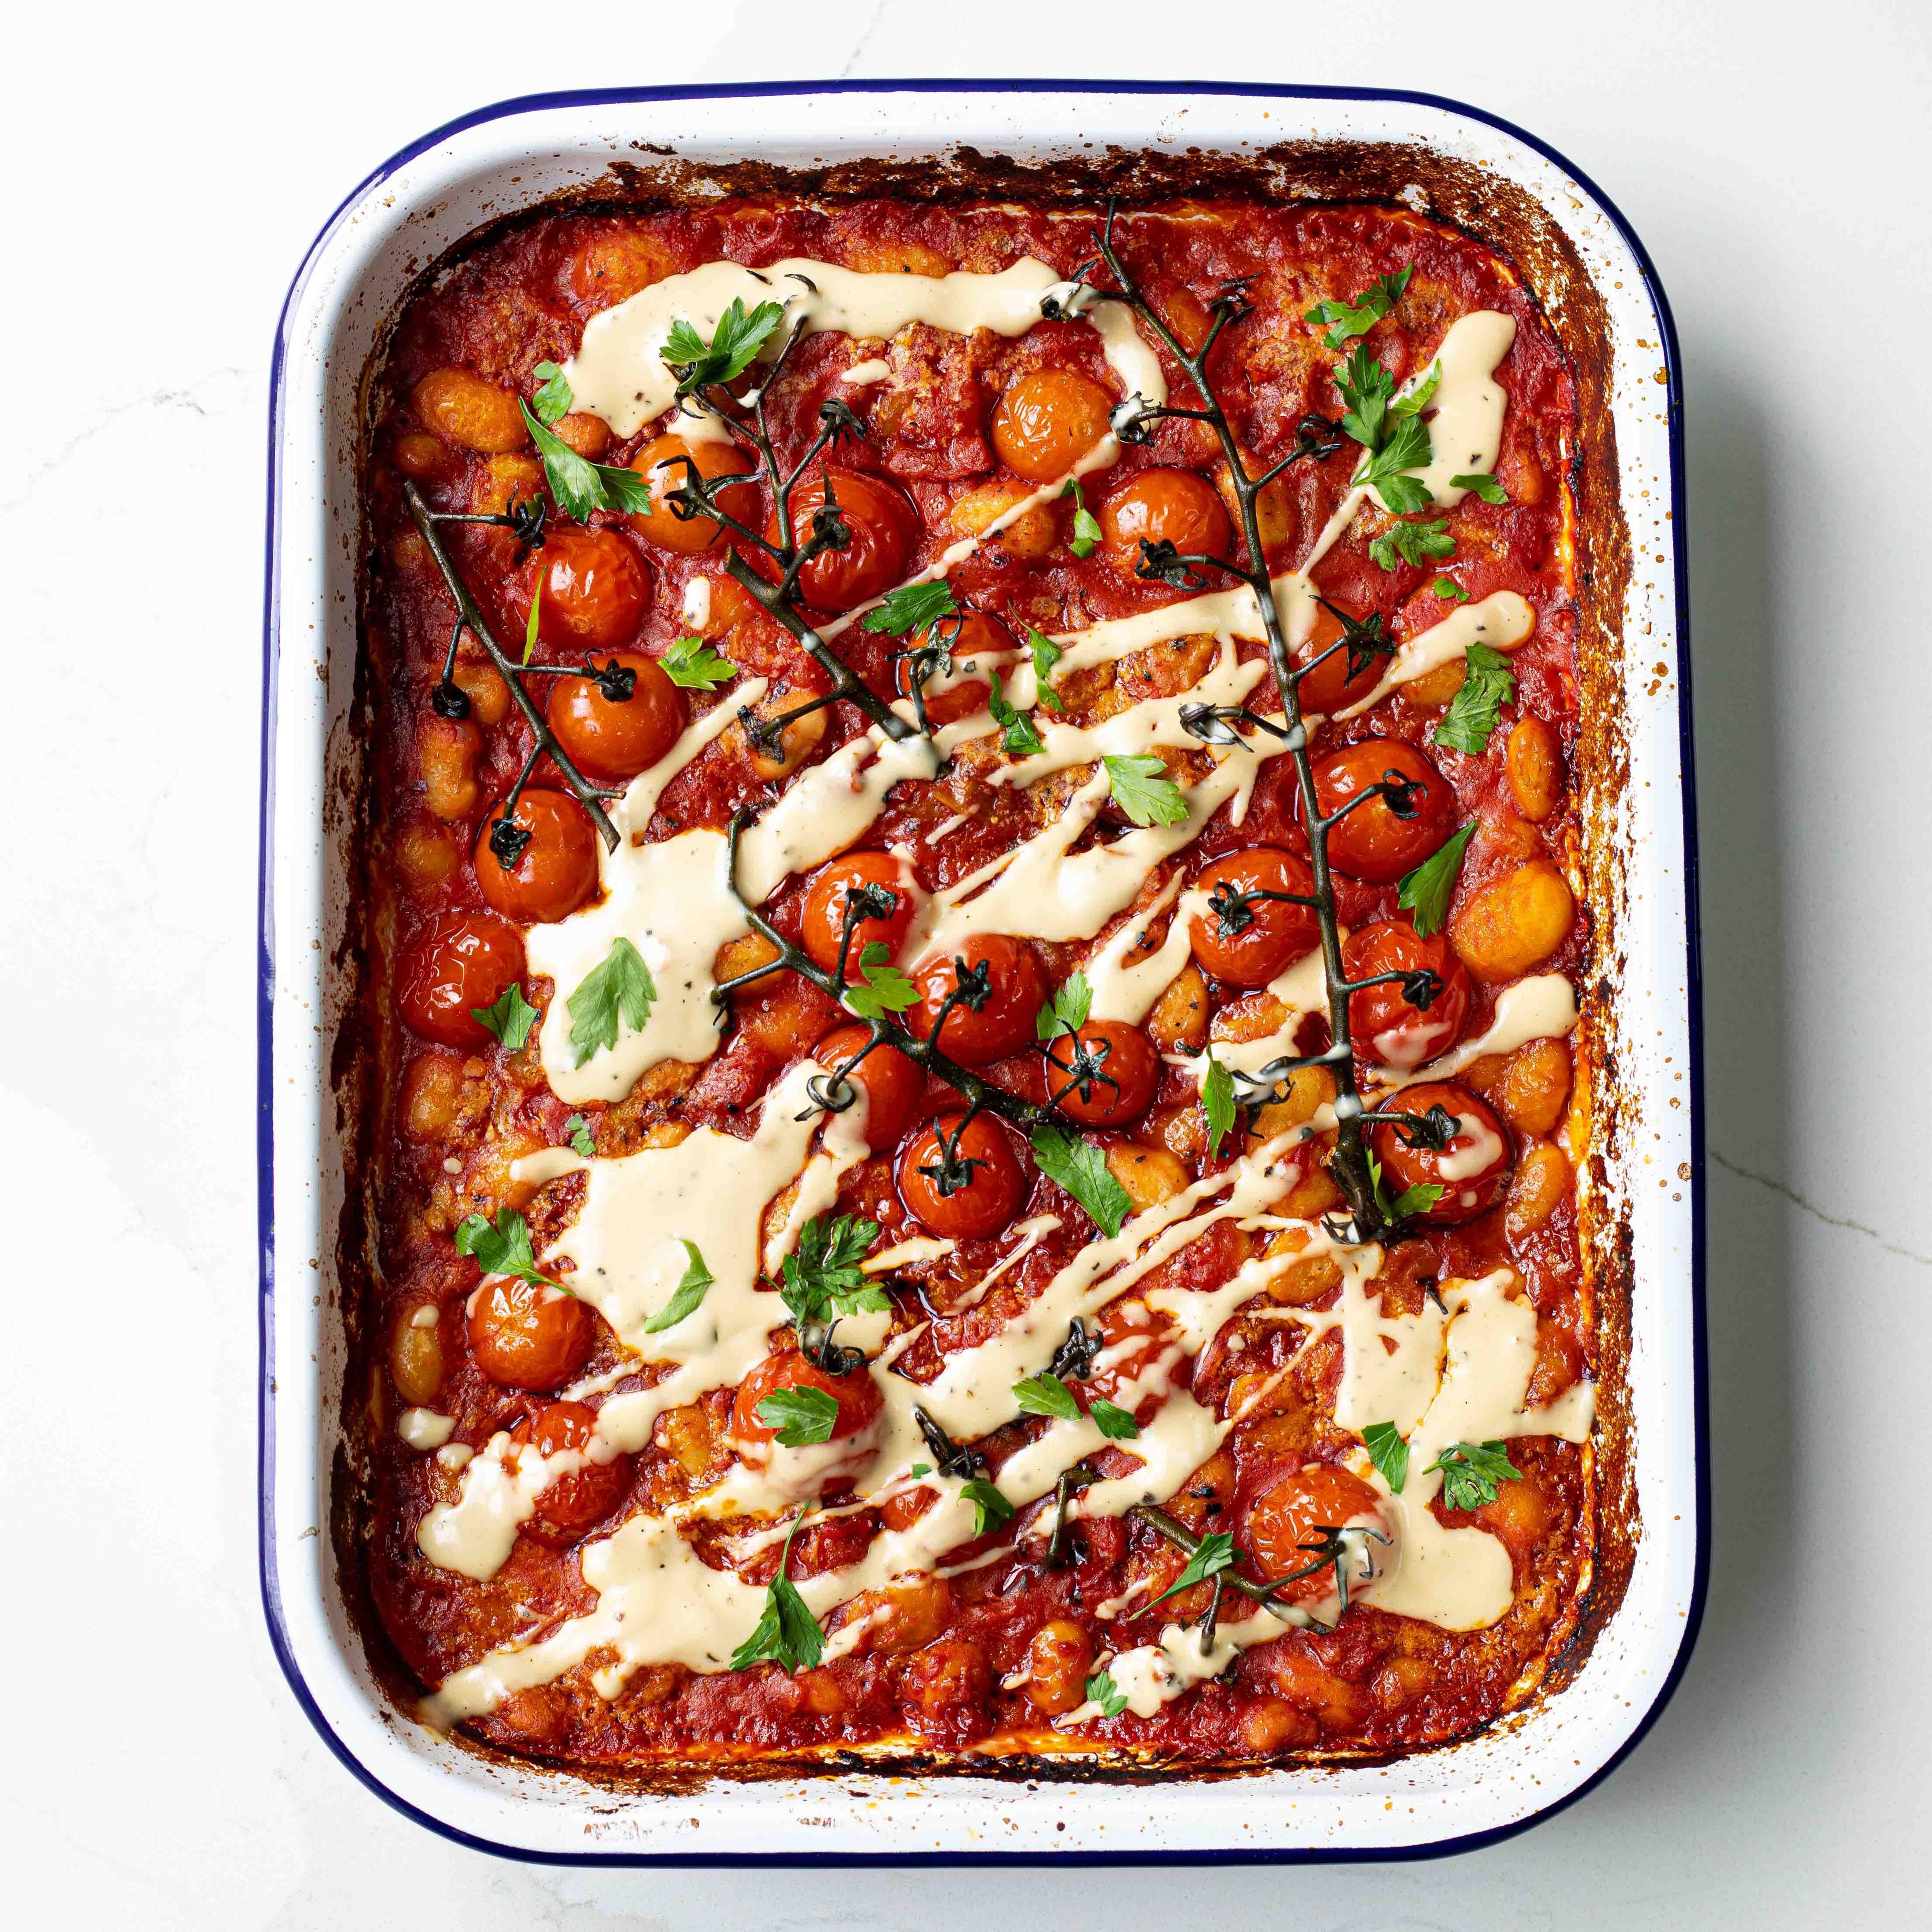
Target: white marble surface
<point>169,167</point>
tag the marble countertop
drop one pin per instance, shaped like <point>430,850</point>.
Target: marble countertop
<point>170,170</point>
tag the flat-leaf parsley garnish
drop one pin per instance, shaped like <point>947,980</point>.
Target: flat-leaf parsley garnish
<point>620,992</point>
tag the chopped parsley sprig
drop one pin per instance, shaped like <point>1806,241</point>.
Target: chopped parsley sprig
<point>788,1634</point>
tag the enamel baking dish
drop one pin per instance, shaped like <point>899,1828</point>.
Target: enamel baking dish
<point>1639,829</point>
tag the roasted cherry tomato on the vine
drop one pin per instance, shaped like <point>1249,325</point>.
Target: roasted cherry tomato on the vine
<point>828,895</point>
<point>974,636</point>
<point>667,462</point>
<point>527,1337</point>
<point>1002,989</point>
<point>1047,421</point>
<point>614,737</point>
<point>569,1505</point>
<point>1473,1170</point>
<point>882,524</point>
<point>1387,1026</point>
<point>893,1084</point>
<point>1331,686</point>
<point>461,961</point>
<point>1245,937</point>
<point>1297,1511</point>
<point>1104,1075</point>
<point>1395,831</point>
<point>856,1394</point>
<point>556,871</point>
<point>961,1182</point>
<point>594,589</point>
<point>1176,506</point>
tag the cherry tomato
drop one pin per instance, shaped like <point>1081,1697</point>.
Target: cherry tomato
<point>1249,940</point>
<point>1331,689</point>
<point>1104,1075</point>
<point>526,1337</point>
<point>856,1394</point>
<point>1004,1022</point>
<point>555,873</point>
<point>1047,421</point>
<point>883,523</point>
<point>825,901</point>
<point>981,1204</point>
<point>1473,1170</point>
<point>612,738</point>
<point>1375,842</point>
<point>893,1083</point>
<point>569,1505</point>
<point>660,461</point>
<point>1387,1025</point>
<point>460,961</point>
<point>1173,506</point>
<point>1294,1511</point>
<point>975,636</point>
<point>594,589</point>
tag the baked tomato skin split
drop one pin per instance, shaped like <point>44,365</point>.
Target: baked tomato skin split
<point>959,1177</point>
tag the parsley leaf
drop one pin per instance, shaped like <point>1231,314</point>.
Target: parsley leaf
<point>1412,543</point>
<point>581,1137</point>
<point>1482,484</point>
<point>504,1248</point>
<point>911,609</point>
<point>1046,1394</point>
<point>1407,447</point>
<point>1389,1452</point>
<point>1068,1011</point>
<point>1086,538</point>
<point>885,989</point>
<point>822,1274</point>
<point>691,663</point>
<point>1366,388</point>
<point>734,345</point>
<point>1410,1200</point>
<point>1103,1690</point>
<point>1412,402</point>
<point>1359,316</point>
<point>554,399</point>
<point>801,1416</point>
<point>1144,792</point>
<point>509,1016</point>
<point>1472,1471</point>
<point>1081,1168</point>
<point>1450,591</point>
<point>1427,891</point>
<point>686,1297</point>
<point>579,485</point>
<point>1217,1097</point>
<point>620,990</point>
<point>1212,1554</point>
<point>787,1633</point>
<point>1022,741</point>
<point>1113,1421</point>
<point>921,1469</point>
<point>1471,718</point>
<point>1046,654</point>
<point>989,1507</point>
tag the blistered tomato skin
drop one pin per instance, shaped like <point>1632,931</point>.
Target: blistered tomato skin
<point>1176,506</point>
<point>971,637</point>
<point>1254,927</point>
<point>960,1178</point>
<point>1105,1076</point>
<point>1047,421</point>
<point>1388,1028</point>
<point>614,738</point>
<point>593,588</point>
<point>1295,1512</point>
<point>856,1392</point>
<point>893,1084</point>
<point>1005,978</point>
<point>523,1336</point>
<point>1394,832</point>
<point>666,464</point>
<point>460,962</point>
<point>571,1503</point>
<point>828,897</point>
<point>1473,1170</point>
<point>557,870</point>
<point>1331,686</point>
<point>882,526</point>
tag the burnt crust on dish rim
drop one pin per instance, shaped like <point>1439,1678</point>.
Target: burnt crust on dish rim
<point>1498,216</point>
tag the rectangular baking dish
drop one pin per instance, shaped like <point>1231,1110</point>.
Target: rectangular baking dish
<point>1576,250</point>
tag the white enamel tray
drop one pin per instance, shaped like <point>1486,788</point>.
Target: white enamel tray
<point>402,217</point>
